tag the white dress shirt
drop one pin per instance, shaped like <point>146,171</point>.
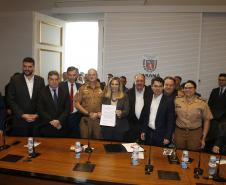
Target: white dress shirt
<point>153,110</point>
<point>30,84</point>
<point>52,92</point>
<point>139,102</point>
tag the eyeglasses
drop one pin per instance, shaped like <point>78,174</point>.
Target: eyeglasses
<point>189,87</point>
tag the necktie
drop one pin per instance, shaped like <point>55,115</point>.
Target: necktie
<point>55,97</point>
<point>72,97</point>
<point>221,91</point>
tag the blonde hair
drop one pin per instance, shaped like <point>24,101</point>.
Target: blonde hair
<point>108,92</point>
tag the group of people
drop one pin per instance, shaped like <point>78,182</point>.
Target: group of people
<point>163,113</point>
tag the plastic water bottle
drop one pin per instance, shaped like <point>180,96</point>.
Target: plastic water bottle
<point>184,159</point>
<point>135,156</point>
<point>30,145</point>
<point>77,150</point>
<point>212,166</point>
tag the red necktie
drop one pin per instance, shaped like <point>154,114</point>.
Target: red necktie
<point>72,97</point>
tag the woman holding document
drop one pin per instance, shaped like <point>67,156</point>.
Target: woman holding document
<point>114,95</point>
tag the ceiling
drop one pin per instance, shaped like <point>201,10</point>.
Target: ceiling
<point>12,5</point>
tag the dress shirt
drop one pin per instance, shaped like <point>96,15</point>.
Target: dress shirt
<point>52,92</point>
<point>153,110</point>
<point>30,84</point>
<point>139,102</point>
<point>222,89</point>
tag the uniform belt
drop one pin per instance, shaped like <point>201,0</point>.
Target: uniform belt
<point>188,129</point>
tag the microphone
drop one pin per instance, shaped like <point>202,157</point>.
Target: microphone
<point>217,177</point>
<point>198,171</point>
<point>148,167</point>
<point>89,148</point>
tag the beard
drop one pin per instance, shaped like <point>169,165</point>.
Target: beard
<point>27,73</point>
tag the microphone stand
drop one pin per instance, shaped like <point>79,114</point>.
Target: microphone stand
<point>198,171</point>
<point>87,166</point>
<point>4,146</point>
<point>149,167</point>
<point>217,177</point>
<point>89,148</point>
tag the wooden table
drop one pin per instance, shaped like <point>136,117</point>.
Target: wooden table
<point>56,162</point>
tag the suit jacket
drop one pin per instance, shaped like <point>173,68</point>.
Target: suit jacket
<point>64,85</point>
<point>217,104</point>
<point>133,121</point>
<point>123,105</point>
<point>165,117</point>
<point>18,97</point>
<point>47,109</point>
<point>2,112</point>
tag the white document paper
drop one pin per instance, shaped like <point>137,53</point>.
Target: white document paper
<point>108,115</point>
<point>223,161</point>
<point>129,147</point>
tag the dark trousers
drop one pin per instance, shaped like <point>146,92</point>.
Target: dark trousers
<point>112,134</point>
<point>23,128</point>
<point>73,128</point>
<point>153,137</point>
<point>134,133</point>
<point>47,130</point>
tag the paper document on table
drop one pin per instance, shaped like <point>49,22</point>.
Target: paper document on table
<point>129,147</point>
<point>223,161</point>
<point>108,115</point>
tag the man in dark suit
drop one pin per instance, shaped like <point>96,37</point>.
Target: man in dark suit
<point>217,104</point>
<point>2,118</point>
<point>22,96</point>
<point>138,96</point>
<point>159,116</point>
<point>169,87</point>
<point>72,87</point>
<point>53,108</point>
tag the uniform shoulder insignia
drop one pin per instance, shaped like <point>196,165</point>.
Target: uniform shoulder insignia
<point>202,99</point>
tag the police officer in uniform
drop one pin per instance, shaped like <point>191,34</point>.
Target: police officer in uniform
<point>193,119</point>
<point>88,102</point>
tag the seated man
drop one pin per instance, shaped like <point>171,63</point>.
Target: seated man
<point>53,108</point>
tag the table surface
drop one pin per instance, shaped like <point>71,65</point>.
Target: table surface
<point>56,160</point>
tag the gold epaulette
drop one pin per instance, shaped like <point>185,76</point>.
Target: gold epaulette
<point>202,99</point>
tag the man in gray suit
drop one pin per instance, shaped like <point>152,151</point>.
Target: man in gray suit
<point>22,96</point>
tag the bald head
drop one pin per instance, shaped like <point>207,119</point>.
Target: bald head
<point>139,82</point>
<point>92,75</point>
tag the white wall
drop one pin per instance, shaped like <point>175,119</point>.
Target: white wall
<point>172,37</point>
<point>191,45</point>
<point>188,44</point>
<point>213,51</point>
<point>15,43</point>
